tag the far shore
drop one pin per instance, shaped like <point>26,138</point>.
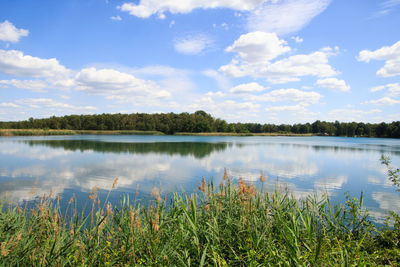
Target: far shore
<point>46,132</point>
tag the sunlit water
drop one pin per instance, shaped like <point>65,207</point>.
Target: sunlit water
<point>66,165</point>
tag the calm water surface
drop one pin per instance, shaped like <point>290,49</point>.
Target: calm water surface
<point>66,165</point>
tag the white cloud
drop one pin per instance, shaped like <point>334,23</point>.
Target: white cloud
<point>62,83</point>
<point>315,64</point>
<point>285,70</point>
<point>168,78</point>
<point>9,105</point>
<point>33,85</point>
<point>298,108</point>
<point>386,7</point>
<point>234,105</point>
<point>13,62</point>
<point>111,82</point>
<point>394,89</point>
<point>160,70</point>
<point>41,108</point>
<point>223,82</point>
<point>192,45</point>
<point>118,18</point>
<point>297,39</point>
<point>9,33</point>
<point>247,88</point>
<point>53,106</point>
<point>390,3</point>
<point>377,88</point>
<point>283,79</point>
<point>285,16</point>
<point>147,8</point>
<point>215,94</point>
<point>280,16</point>
<point>289,95</point>
<point>122,87</point>
<point>333,84</point>
<point>384,101</point>
<point>258,46</point>
<point>225,26</point>
<point>352,114</point>
<point>389,54</point>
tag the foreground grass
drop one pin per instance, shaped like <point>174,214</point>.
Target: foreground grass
<point>225,226</point>
<point>45,132</point>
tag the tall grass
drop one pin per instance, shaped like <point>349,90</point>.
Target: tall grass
<point>45,132</point>
<point>225,225</point>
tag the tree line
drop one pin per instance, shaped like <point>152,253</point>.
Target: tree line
<point>200,121</point>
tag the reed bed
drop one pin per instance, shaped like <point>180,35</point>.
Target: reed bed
<point>46,132</point>
<point>225,225</point>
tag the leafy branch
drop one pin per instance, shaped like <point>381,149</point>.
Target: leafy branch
<point>393,174</point>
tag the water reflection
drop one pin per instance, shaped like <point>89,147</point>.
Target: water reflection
<point>196,149</point>
<point>64,165</point>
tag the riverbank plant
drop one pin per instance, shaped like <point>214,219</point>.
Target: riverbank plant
<point>225,225</point>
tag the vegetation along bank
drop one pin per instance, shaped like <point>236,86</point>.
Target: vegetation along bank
<point>197,122</point>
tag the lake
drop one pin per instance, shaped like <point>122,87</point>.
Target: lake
<point>67,165</point>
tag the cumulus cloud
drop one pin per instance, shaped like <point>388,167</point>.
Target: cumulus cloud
<point>288,95</point>
<point>223,82</point>
<point>352,114</point>
<point>377,88</point>
<point>9,33</point>
<point>9,105</point>
<point>216,94</point>
<point>389,54</point>
<point>147,8</point>
<point>298,108</point>
<point>285,16</point>
<point>333,84</point>
<point>384,101</point>
<point>108,81</point>
<point>52,105</point>
<point>192,45</point>
<point>33,85</point>
<point>280,16</point>
<point>41,107</point>
<point>13,62</point>
<point>247,88</point>
<point>258,46</point>
<point>117,85</point>
<point>392,88</point>
<point>284,70</point>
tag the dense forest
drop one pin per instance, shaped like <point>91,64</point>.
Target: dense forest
<point>200,121</point>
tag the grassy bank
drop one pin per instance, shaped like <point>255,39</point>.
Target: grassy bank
<point>243,134</point>
<point>45,132</point>
<point>228,225</point>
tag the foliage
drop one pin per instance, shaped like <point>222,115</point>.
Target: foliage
<point>226,225</point>
<point>200,121</point>
<point>393,174</point>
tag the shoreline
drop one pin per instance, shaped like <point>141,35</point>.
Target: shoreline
<point>49,132</point>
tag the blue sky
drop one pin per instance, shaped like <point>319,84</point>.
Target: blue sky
<point>269,61</point>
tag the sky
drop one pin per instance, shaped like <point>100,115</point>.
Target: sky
<point>267,61</point>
